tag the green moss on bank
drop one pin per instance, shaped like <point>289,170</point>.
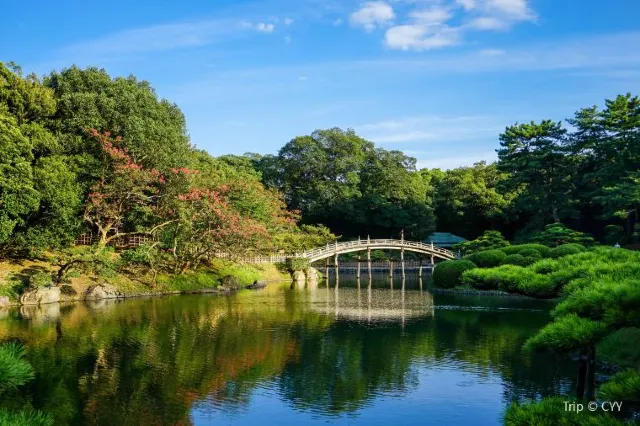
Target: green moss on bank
<point>14,275</point>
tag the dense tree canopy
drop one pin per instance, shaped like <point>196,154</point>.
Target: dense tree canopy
<point>154,130</point>
<point>468,200</point>
<point>336,178</point>
<point>331,180</point>
<point>83,152</point>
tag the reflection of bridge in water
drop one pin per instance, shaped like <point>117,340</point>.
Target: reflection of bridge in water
<point>372,304</point>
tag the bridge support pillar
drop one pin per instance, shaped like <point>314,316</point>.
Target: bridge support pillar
<point>420,269</point>
<point>390,269</point>
<point>337,266</point>
<point>369,261</point>
<point>432,263</point>
<point>326,269</point>
<point>358,270</point>
<point>402,262</point>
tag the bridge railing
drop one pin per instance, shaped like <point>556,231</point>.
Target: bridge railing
<point>337,247</point>
<point>330,249</point>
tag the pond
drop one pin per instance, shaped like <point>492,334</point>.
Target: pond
<point>383,353</point>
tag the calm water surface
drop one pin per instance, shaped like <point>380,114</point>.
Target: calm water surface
<point>368,355</point>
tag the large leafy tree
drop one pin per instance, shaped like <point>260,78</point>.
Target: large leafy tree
<point>126,197</point>
<point>336,178</point>
<point>606,148</point>
<point>40,198</point>
<point>532,155</point>
<point>468,200</point>
<point>154,130</point>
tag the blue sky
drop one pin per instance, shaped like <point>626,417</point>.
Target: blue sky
<point>438,79</point>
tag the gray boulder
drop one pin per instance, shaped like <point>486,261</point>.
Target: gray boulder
<point>257,284</point>
<point>40,296</point>
<point>229,282</point>
<point>312,277</point>
<point>102,291</point>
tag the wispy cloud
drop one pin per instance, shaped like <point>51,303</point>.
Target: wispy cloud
<point>426,129</point>
<point>611,55</point>
<point>371,15</point>
<point>158,38</point>
<point>265,27</point>
<point>598,52</point>
<point>427,24</point>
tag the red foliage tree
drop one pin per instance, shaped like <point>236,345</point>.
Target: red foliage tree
<point>124,189</point>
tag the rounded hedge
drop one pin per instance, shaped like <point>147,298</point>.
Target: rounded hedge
<point>518,249</point>
<point>566,250</point>
<point>530,252</point>
<point>530,260</point>
<point>514,259</point>
<point>487,258</point>
<point>447,274</point>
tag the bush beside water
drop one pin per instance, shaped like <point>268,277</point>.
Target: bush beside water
<point>486,258</point>
<point>447,274</point>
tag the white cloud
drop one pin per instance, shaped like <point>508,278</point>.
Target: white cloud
<point>265,27</point>
<point>420,37</point>
<point>372,14</point>
<point>515,9</point>
<point>426,129</point>
<point>287,39</point>
<point>467,4</point>
<point>287,21</point>
<point>488,23</point>
<point>426,24</point>
<point>431,16</point>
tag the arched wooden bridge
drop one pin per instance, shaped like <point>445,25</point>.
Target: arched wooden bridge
<point>367,245</point>
<point>335,249</point>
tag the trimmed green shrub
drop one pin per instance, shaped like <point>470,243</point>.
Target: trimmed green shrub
<point>566,250</point>
<point>487,258</point>
<point>553,411</point>
<point>512,279</point>
<point>529,252</point>
<point>557,234</point>
<point>518,249</point>
<point>530,260</point>
<point>488,241</point>
<point>624,386</point>
<point>546,266</point>
<point>514,259</point>
<point>447,274</point>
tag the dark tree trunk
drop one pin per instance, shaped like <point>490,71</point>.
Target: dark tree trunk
<point>582,372</point>
<point>590,388</point>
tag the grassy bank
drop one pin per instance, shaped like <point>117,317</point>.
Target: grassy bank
<point>16,275</point>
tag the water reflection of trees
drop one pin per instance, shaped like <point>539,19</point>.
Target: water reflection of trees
<point>148,361</point>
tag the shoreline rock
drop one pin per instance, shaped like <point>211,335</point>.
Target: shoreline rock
<point>40,296</point>
<point>256,285</point>
<point>102,291</point>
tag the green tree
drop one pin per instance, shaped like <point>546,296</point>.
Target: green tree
<point>533,156</point>
<point>154,130</point>
<point>336,178</point>
<point>468,200</point>
<point>606,145</point>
